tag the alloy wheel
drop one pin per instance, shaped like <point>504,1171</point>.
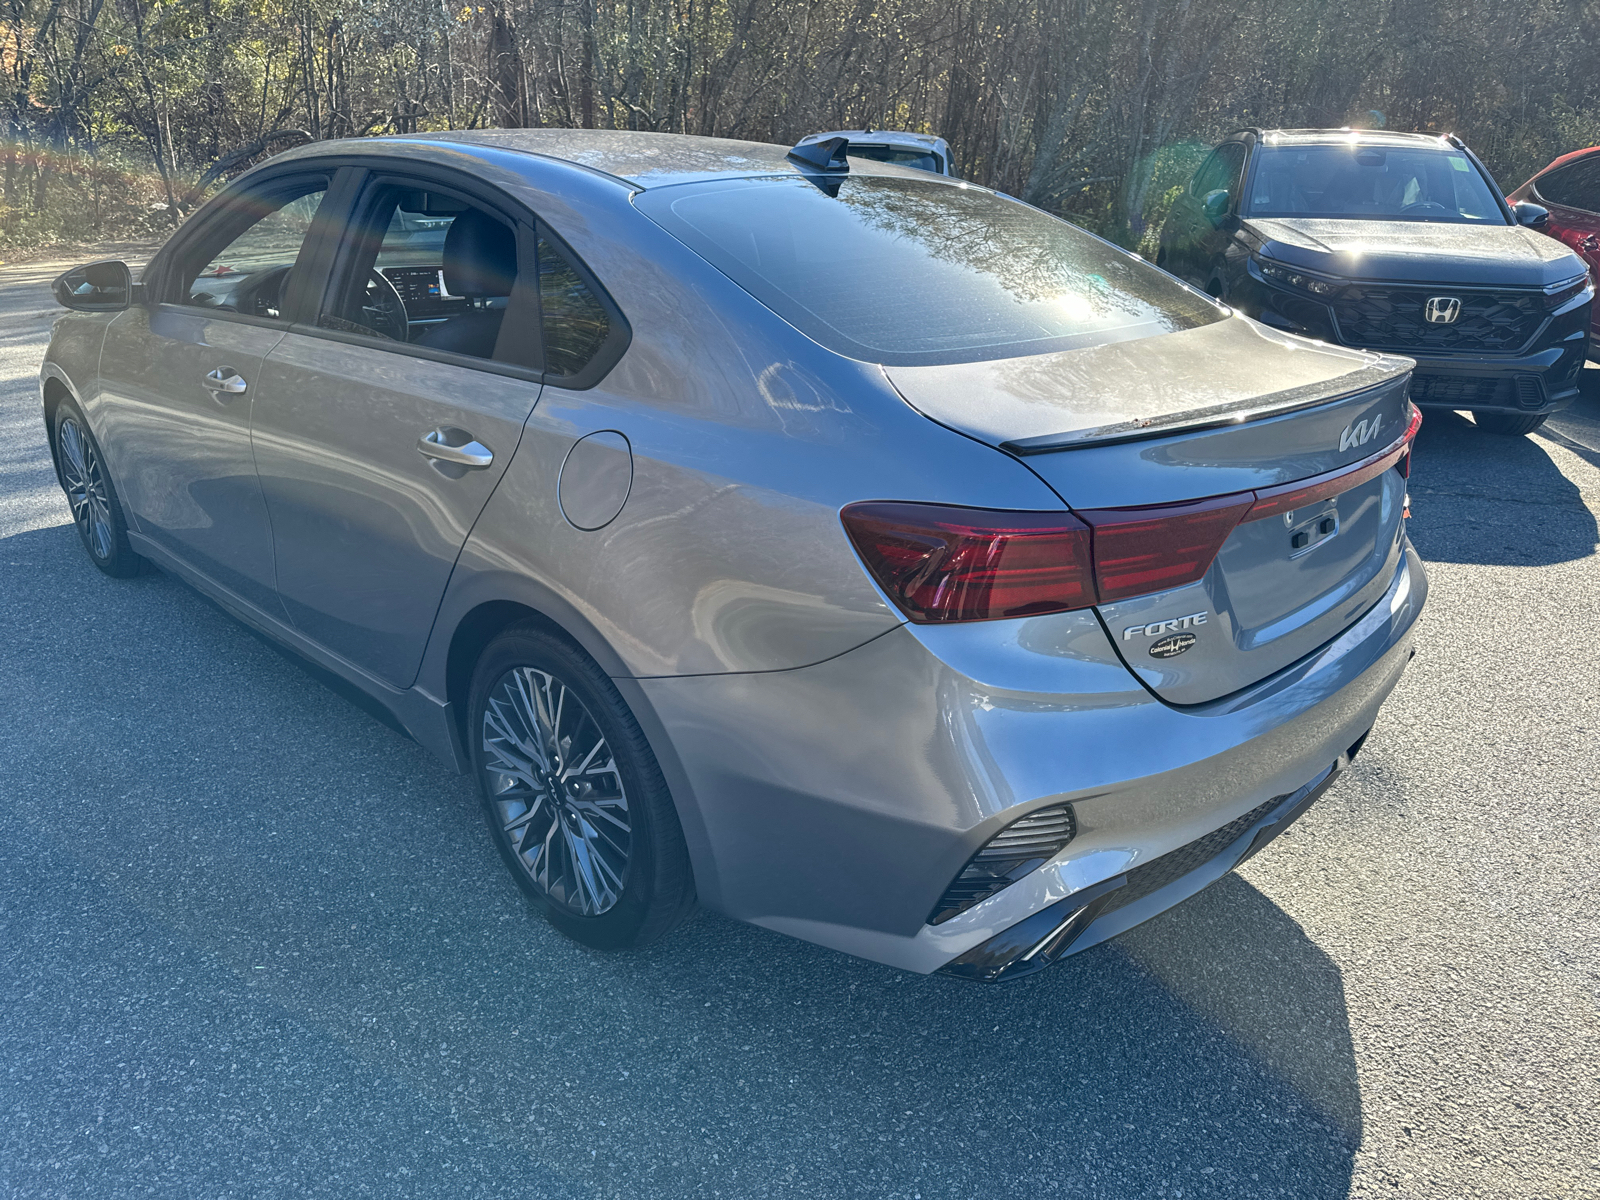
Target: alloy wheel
<point>556,791</point>
<point>86,489</point>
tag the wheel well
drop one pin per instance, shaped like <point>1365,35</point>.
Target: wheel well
<point>476,630</point>
<point>54,393</point>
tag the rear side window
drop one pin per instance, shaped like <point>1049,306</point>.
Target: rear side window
<point>905,272</point>
<point>1576,185</point>
<point>576,324</point>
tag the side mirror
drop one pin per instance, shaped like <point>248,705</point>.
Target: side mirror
<point>1534,216</point>
<point>1215,205</point>
<point>99,287</point>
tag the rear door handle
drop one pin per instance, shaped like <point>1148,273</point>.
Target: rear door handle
<point>455,446</point>
<point>225,379</point>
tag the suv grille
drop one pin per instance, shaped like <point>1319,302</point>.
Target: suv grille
<point>1380,317</point>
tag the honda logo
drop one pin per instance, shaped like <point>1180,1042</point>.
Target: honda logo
<point>1442,310</point>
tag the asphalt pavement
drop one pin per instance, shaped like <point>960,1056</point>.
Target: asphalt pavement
<point>256,943</point>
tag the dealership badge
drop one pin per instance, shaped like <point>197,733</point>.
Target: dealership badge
<point>1171,647</point>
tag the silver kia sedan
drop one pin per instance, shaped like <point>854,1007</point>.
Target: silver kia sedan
<point>856,552</point>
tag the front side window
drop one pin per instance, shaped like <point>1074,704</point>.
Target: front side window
<point>1576,185</point>
<point>1374,183</point>
<point>906,272</point>
<point>249,271</point>
<point>1220,172</point>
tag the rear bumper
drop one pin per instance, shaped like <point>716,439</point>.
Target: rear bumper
<point>839,801</point>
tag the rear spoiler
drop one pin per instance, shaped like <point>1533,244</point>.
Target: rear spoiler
<point>1254,408</point>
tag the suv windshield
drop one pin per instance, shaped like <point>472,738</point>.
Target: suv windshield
<point>1374,183</point>
<point>906,273</point>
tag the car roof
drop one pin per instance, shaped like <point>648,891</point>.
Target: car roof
<point>1571,156</point>
<point>1360,137</point>
<point>637,158</point>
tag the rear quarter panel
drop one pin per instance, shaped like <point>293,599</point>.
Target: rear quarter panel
<point>746,440</point>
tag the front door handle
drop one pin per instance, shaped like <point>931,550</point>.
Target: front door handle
<point>455,446</point>
<point>225,379</point>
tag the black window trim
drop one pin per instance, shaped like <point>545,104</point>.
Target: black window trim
<point>166,269</point>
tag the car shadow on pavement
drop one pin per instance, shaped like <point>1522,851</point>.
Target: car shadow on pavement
<point>1493,500</point>
<point>255,931</point>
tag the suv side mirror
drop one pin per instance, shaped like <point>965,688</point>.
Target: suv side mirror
<point>99,287</point>
<point>1215,205</point>
<point>1534,216</point>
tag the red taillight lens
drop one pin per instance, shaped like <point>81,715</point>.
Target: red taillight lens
<point>942,563</point>
<point>1143,550</point>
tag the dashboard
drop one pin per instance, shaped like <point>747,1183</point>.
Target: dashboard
<point>423,292</point>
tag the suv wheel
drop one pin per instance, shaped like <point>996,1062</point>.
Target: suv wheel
<point>1510,424</point>
<point>574,798</point>
<point>96,512</point>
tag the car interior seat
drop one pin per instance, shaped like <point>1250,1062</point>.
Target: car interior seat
<point>480,263</point>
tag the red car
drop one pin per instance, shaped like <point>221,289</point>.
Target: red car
<point>1570,189</point>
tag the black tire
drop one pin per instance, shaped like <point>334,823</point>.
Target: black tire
<point>96,510</point>
<point>609,906</point>
<point>1508,424</point>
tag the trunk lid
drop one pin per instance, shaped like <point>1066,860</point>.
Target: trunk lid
<point>1223,410</point>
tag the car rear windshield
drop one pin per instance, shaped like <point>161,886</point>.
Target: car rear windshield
<point>1377,183</point>
<point>905,273</point>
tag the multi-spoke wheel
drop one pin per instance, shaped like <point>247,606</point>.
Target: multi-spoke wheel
<point>95,510</point>
<point>573,796</point>
<point>557,791</point>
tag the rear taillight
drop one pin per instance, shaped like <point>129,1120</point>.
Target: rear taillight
<point>942,563</point>
<point>1142,550</point>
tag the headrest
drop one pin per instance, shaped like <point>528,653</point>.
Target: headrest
<point>480,256</point>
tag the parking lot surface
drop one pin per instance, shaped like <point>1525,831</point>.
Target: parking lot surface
<point>255,943</point>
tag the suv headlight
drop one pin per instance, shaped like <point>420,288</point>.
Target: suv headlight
<point>1289,277</point>
<point>1558,294</point>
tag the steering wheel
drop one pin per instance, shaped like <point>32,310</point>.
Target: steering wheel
<point>1423,206</point>
<point>382,309</point>
<point>260,294</point>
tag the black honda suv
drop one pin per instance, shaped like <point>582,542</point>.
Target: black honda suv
<point>1391,241</point>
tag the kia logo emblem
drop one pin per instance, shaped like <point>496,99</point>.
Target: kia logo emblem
<point>1442,310</point>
